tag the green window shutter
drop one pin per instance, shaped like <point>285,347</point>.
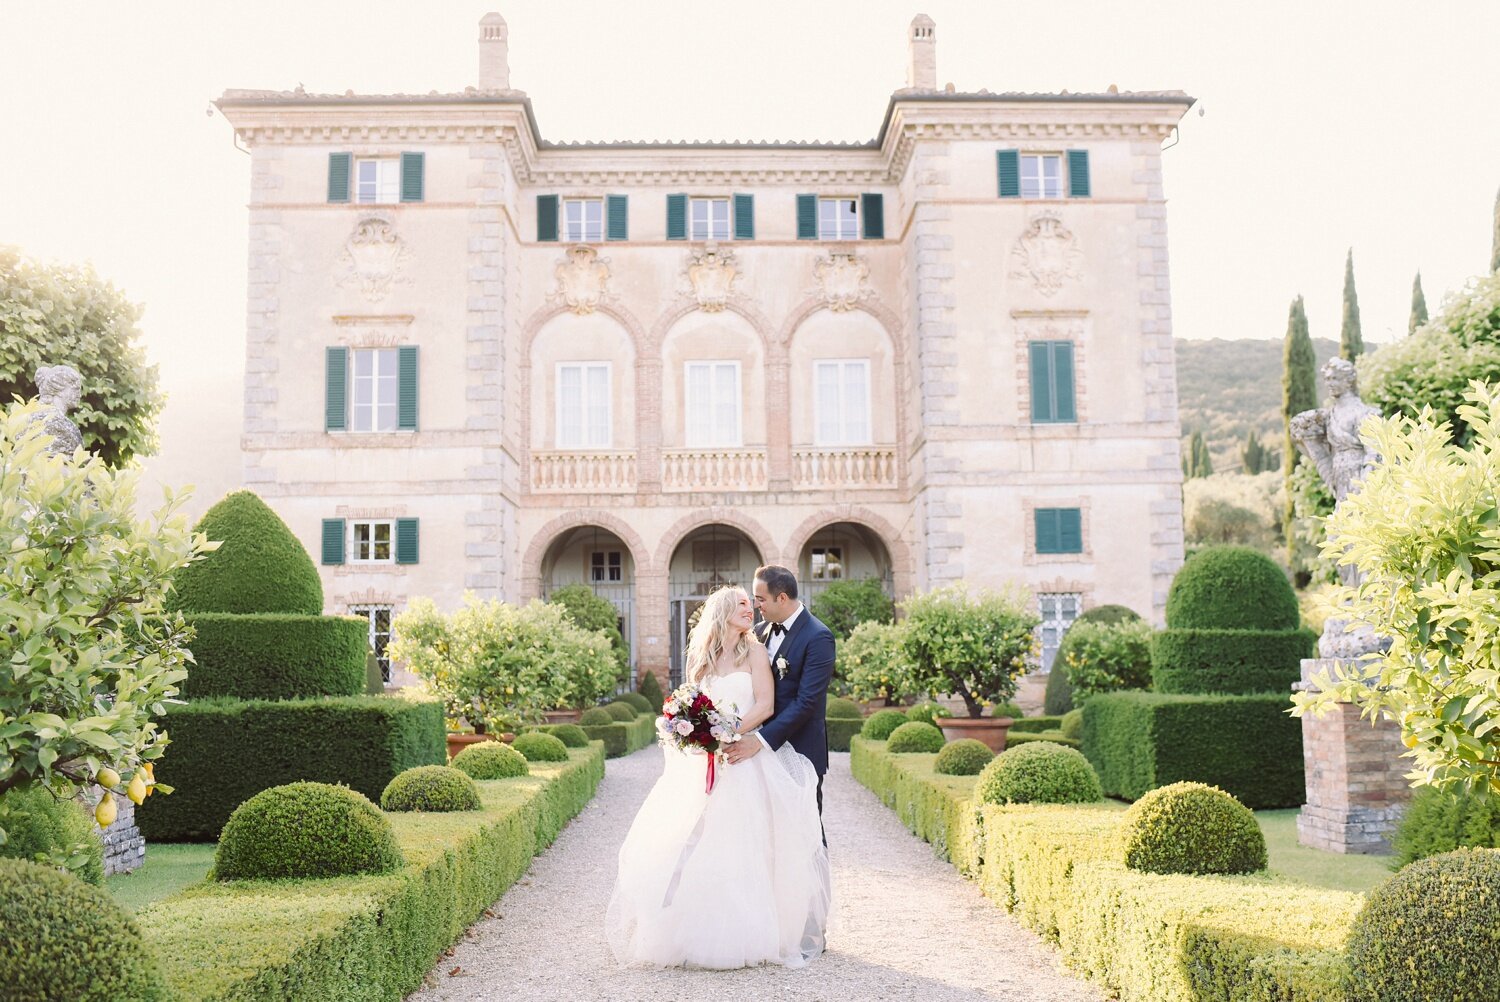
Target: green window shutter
<point>1041,381</point>
<point>1078,174</point>
<point>413,176</point>
<point>1052,390</point>
<point>617,217</point>
<point>807,217</point>
<point>333,541</point>
<point>406,387</point>
<point>406,541</point>
<point>744,217</point>
<point>872,213</point>
<point>336,397</point>
<point>1069,530</point>
<point>1062,382</point>
<point>1047,536</point>
<point>546,218</point>
<point>1008,164</point>
<point>676,217</point>
<point>339,165</point>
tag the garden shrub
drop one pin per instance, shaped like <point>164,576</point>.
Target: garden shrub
<point>915,736</point>
<point>1231,588</point>
<point>1431,932</point>
<point>1057,698</point>
<point>1438,821</point>
<point>540,748</point>
<point>38,823</point>
<point>1191,828</point>
<point>872,665</point>
<point>1072,725</point>
<point>928,712</point>
<point>359,741</point>
<point>569,734</point>
<point>595,716</point>
<point>491,760</point>
<point>1007,709</point>
<point>879,725</point>
<point>843,708</point>
<point>436,789</point>
<point>61,938</point>
<point>1106,657</point>
<point>1038,773</point>
<point>1233,662</point>
<point>596,614</point>
<point>651,689</point>
<point>1246,745</point>
<point>260,566</point>
<point>623,739</point>
<point>637,702</point>
<point>276,656</point>
<point>1059,694</point>
<point>623,712</point>
<point>841,730</point>
<point>964,757</point>
<point>1034,724</point>
<point>305,830</point>
<point>972,644</point>
<point>844,605</point>
<point>1056,736</point>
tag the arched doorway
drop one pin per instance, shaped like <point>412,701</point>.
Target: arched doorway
<point>843,551</point>
<point>706,559</point>
<point>594,556</point>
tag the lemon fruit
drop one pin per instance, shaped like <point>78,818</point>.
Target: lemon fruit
<point>105,811</point>
<point>108,778</point>
<point>136,791</point>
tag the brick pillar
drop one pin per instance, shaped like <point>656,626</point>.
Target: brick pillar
<point>1356,783</point>
<point>653,625</point>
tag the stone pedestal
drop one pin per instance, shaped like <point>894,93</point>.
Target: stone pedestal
<point>124,845</point>
<point>1356,782</point>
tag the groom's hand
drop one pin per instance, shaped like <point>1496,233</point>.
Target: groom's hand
<point>742,749</point>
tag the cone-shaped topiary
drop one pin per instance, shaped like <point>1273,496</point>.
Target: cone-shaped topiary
<point>843,709</point>
<point>651,689</point>
<point>1191,828</point>
<point>1039,772</point>
<point>305,830</point>
<point>433,788</point>
<point>540,748</point>
<point>636,702</point>
<point>63,939</point>
<point>1072,724</point>
<point>964,757</point>
<point>880,724</point>
<point>491,760</point>
<point>915,736</point>
<point>569,734</point>
<point>1231,588</point>
<point>1430,932</point>
<point>595,716</point>
<point>261,566</point>
<point>622,712</point>
<point>931,713</point>
<point>37,822</point>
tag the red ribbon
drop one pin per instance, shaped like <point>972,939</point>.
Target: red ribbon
<point>709,785</point>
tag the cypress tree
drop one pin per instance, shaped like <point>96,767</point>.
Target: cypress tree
<point>1418,306</point>
<point>1299,392</point>
<point>1351,340</point>
<point>1205,464</point>
<point>1253,456</point>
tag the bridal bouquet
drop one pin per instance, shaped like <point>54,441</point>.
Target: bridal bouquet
<point>691,722</point>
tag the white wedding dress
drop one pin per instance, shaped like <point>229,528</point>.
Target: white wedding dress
<point>728,879</point>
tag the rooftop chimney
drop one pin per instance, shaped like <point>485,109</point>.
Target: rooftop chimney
<point>921,46</point>
<point>494,53</point>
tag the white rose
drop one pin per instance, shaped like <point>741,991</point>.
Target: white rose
<point>684,728</point>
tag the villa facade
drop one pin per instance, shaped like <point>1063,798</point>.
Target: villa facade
<point>482,361</point>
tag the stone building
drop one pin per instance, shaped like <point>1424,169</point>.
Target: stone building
<point>482,360</point>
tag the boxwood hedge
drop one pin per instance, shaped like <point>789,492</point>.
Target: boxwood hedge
<point>276,656</point>
<point>1228,661</point>
<point>623,738</point>
<point>841,729</point>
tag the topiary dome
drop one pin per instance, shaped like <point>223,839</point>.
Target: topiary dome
<point>915,736</point>
<point>879,725</point>
<point>491,760</point>
<point>63,939</point>
<point>1039,772</point>
<point>842,709</point>
<point>1191,828</point>
<point>1231,588</point>
<point>595,716</point>
<point>622,712</point>
<point>636,702</point>
<point>931,713</point>
<point>305,830</point>
<point>433,788</point>
<point>569,734</point>
<point>540,748</point>
<point>964,757</point>
<point>260,566</point>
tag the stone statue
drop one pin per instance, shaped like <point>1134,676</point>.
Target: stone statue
<point>60,387</point>
<point>1329,436</point>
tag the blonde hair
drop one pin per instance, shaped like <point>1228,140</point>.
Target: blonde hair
<point>710,637</point>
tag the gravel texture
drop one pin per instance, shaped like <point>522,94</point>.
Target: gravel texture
<point>905,924</point>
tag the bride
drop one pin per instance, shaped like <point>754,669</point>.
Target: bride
<point>739,876</point>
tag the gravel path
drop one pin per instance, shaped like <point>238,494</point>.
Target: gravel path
<point>905,924</point>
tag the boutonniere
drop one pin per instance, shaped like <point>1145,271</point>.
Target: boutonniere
<point>781,668</point>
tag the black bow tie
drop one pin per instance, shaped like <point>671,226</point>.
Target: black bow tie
<point>777,628</point>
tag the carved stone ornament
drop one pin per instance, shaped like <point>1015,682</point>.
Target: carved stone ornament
<point>1047,253</point>
<point>375,255</point>
<point>712,272</point>
<point>843,280</point>
<point>59,389</point>
<point>582,280</point>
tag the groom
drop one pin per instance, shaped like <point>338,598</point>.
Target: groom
<point>801,651</point>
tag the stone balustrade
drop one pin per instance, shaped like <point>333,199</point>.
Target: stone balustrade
<point>866,467</point>
<point>588,472</point>
<point>713,469</point>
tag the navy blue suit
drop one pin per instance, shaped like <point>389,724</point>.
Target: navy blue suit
<point>802,696</point>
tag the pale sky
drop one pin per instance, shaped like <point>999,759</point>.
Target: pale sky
<point>1325,125</point>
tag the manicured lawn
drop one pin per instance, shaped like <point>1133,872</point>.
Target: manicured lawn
<point>169,867</point>
<point>1289,858</point>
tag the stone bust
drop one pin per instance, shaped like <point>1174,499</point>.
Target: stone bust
<point>59,388</point>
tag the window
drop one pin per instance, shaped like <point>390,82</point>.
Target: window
<point>1058,610</point>
<point>373,542</point>
<point>606,567</point>
<point>842,392</point>
<point>1059,530</point>
<point>583,220</point>
<point>583,420</point>
<point>379,617</point>
<point>713,404</point>
<point>377,180</point>
<point>1052,382</point>
<point>1041,175</point>
<point>376,389</point>
<point>708,219</point>
<point>827,563</point>
<point>838,218</point>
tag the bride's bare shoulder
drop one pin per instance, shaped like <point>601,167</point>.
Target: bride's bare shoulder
<point>758,654</point>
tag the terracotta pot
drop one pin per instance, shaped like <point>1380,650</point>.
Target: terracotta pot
<point>508,737</point>
<point>562,716</point>
<point>990,730</point>
<point>458,741</point>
